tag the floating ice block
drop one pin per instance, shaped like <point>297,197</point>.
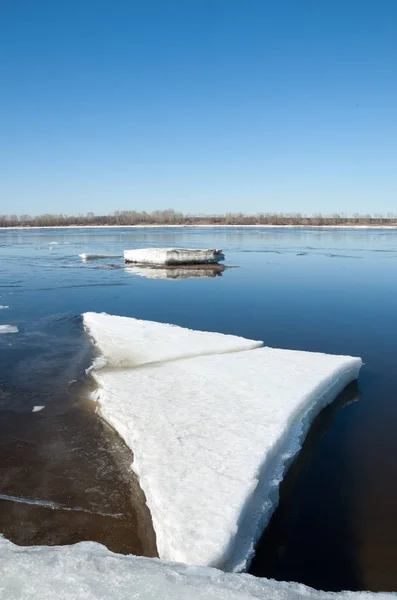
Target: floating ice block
<point>212,436</point>
<point>8,329</point>
<point>86,257</point>
<point>172,256</point>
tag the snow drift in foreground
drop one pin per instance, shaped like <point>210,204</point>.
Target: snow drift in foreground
<point>90,571</point>
<point>8,329</point>
<point>173,273</point>
<point>172,256</point>
<point>211,435</point>
<point>124,341</point>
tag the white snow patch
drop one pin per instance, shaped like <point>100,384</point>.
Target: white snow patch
<point>212,436</point>
<point>8,329</point>
<point>124,341</point>
<point>172,256</point>
<point>3,307</point>
<point>88,570</point>
<point>37,408</point>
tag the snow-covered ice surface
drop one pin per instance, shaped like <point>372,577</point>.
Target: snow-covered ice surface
<point>172,256</point>
<point>124,341</point>
<point>211,435</point>
<point>90,571</point>
<point>8,329</point>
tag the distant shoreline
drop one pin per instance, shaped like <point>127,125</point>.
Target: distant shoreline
<point>197,226</point>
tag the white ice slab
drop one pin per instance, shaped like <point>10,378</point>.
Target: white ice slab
<point>90,571</point>
<point>8,329</point>
<point>172,256</point>
<point>123,341</point>
<point>213,435</point>
<point>3,307</point>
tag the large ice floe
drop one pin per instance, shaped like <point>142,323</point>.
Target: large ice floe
<point>172,256</point>
<point>127,342</point>
<point>90,571</point>
<point>213,422</point>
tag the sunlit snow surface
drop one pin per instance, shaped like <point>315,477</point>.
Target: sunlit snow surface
<point>211,435</point>
<point>123,341</point>
<point>172,256</point>
<point>90,571</point>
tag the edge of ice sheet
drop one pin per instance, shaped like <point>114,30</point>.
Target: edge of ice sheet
<point>8,329</point>
<point>129,342</point>
<point>210,470</point>
<point>213,436</point>
<point>91,571</point>
<point>172,256</point>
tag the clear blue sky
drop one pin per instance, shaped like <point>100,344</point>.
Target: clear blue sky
<point>200,105</point>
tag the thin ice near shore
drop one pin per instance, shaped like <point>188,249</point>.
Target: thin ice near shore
<point>90,571</point>
<point>213,422</point>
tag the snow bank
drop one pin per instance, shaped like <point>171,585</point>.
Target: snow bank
<point>123,341</point>
<point>8,329</point>
<point>172,256</point>
<point>90,571</point>
<point>207,271</point>
<point>212,435</point>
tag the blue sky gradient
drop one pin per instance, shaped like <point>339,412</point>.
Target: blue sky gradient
<point>205,106</point>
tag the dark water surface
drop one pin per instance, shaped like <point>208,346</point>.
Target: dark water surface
<point>330,291</point>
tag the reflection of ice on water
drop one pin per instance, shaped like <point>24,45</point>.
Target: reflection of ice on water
<point>179,272</point>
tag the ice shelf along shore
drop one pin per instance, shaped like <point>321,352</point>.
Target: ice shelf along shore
<point>172,256</point>
<point>90,571</point>
<point>213,422</point>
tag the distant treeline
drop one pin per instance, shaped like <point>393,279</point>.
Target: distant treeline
<point>172,217</point>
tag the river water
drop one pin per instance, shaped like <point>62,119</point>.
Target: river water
<point>65,475</point>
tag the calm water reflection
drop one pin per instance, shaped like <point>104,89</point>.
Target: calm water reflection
<point>329,291</point>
